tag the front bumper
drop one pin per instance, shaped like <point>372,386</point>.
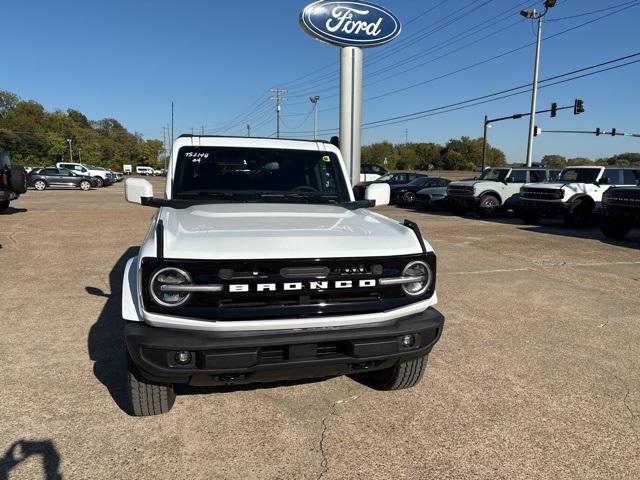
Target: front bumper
<point>550,208</point>
<point>631,215</point>
<point>463,201</point>
<point>222,358</point>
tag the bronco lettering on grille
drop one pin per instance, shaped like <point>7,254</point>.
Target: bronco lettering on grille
<point>297,286</point>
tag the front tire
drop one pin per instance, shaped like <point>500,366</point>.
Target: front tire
<point>99,182</point>
<point>147,398</point>
<point>409,198</point>
<point>40,185</point>
<point>402,375</point>
<point>488,206</point>
<point>85,185</point>
<point>614,230</point>
<point>580,216</point>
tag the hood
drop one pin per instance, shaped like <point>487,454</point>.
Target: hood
<point>261,231</point>
<point>570,189</point>
<point>469,183</point>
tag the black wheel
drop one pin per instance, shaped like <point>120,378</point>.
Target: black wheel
<point>409,198</point>
<point>401,375</point>
<point>580,216</point>
<point>85,185</point>
<point>530,218</point>
<point>99,182</point>
<point>614,230</point>
<point>4,205</point>
<point>40,185</point>
<point>18,180</point>
<point>488,206</point>
<point>147,398</point>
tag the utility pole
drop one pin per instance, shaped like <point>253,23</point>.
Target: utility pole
<point>80,155</point>
<point>406,136</point>
<point>70,150</point>
<point>484,143</point>
<point>279,98</point>
<point>248,130</point>
<point>314,101</point>
<point>534,15</point>
<point>171,154</point>
<point>203,130</point>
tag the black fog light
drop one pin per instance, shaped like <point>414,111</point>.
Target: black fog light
<point>408,341</point>
<point>183,358</point>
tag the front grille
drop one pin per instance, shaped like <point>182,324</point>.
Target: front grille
<point>623,198</point>
<point>330,298</point>
<point>541,193</point>
<point>453,190</point>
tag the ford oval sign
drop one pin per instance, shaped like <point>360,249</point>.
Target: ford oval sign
<point>350,24</point>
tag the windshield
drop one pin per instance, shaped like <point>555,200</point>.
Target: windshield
<point>579,175</point>
<point>386,177</point>
<point>495,174</point>
<point>259,175</point>
<point>418,182</point>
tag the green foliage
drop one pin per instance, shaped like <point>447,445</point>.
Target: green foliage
<point>459,154</point>
<point>554,161</point>
<point>36,137</point>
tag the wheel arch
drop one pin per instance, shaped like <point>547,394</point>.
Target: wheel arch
<point>493,193</point>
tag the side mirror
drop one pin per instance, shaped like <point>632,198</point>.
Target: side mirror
<point>136,189</point>
<point>508,180</point>
<point>380,193</point>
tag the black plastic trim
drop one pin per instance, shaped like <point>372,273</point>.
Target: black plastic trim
<point>160,240</point>
<point>416,229</point>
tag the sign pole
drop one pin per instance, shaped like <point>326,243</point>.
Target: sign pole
<point>351,110</point>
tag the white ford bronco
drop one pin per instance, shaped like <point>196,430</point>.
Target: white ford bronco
<point>260,266</point>
<point>496,189</point>
<point>576,196</point>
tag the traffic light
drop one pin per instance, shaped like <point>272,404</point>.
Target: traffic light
<point>613,132</point>
<point>554,109</point>
<point>578,107</point>
<point>537,131</point>
<point>598,132</point>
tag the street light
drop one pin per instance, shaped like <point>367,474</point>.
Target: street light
<point>70,151</point>
<point>314,101</point>
<point>534,15</point>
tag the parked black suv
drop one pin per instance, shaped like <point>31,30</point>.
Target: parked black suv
<point>13,181</point>
<point>43,178</point>
<point>620,211</point>
<point>392,178</point>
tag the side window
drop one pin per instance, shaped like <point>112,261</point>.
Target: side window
<point>401,178</point>
<point>50,171</point>
<point>376,169</point>
<point>554,175</point>
<point>365,169</point>
<point>630,177</point>
<point>519,176</point>
<point>613,174</point>
<point>537,176</point>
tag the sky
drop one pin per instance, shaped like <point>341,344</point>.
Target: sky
<point>216,60</point>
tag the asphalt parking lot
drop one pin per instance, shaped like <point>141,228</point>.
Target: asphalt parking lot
<point>537,374</point>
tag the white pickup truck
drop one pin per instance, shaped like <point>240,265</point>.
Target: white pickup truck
<point>102,175</point>
<point>260,266</point>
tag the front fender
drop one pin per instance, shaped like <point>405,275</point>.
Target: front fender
<point>130,298</point>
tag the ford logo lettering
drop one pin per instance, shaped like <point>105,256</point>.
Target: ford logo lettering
<point>350,24</point>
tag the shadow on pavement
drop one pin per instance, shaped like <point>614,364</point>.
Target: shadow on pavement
<point>106,337</point>
<point>12,211</point>
<point>21,450</point>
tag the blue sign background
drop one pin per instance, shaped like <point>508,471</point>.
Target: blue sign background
<point>354,24</point>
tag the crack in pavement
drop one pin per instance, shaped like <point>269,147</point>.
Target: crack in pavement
<point>324,463</point>
<point>624,401</point>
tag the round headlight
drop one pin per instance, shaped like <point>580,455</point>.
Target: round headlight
<point>161,285</point>
<point>421,271</point>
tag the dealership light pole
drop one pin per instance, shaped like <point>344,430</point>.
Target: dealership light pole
<point>314,101</point>
<point>534,15</point>
<point>70,150</point>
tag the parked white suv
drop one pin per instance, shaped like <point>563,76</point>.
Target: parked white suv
<point>102,176</point>
<point>576,196</point>
<point>497,188</point>
<point>261,266</point>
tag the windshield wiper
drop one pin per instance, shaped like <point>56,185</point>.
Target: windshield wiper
<point>205,194</point>
<point>309,197</point>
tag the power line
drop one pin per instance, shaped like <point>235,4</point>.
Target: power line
<point>591,13</point>
<point>510,92</point>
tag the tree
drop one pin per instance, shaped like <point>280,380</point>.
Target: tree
<point>554,161</point>
<point>8,101</point>
<point>576,162</point>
